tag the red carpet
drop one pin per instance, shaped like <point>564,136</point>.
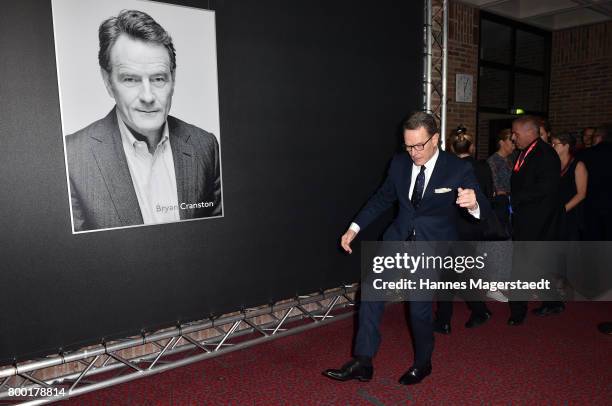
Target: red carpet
<point>556,360</point>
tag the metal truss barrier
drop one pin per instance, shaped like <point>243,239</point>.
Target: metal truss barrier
<point>435,61</point>
<point>106,365</point>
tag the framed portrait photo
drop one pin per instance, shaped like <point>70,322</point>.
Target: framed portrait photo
<point>139,105</point>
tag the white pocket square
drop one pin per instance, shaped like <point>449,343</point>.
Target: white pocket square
<point>442,190</point>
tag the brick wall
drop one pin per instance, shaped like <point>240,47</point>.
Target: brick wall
<point>581,77</point>
<point>581,74</point>
<point>463,35</point>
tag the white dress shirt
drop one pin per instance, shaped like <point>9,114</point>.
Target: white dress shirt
<point>429,167</point>
<point>153,176</point>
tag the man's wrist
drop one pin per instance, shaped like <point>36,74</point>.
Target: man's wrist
<point>475,212</point>
<point>355,227</point>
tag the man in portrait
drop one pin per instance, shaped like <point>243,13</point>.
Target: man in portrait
<point>140,165</point>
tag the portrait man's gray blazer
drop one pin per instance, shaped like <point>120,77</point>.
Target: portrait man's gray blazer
<point>102,194</point>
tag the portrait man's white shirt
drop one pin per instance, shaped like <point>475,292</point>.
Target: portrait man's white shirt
<point>153,176</point>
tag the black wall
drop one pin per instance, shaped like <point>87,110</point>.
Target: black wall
<point>312,94</point>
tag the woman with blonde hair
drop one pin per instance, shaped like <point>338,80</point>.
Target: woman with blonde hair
<point>461,143</point>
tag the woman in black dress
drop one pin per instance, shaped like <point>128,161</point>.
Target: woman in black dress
<point>572,192</point>
<point>573,187</point>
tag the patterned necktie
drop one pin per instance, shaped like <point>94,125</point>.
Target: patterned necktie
<point>417,192</point>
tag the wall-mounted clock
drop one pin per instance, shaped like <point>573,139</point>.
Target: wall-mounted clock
<point>464,85</point>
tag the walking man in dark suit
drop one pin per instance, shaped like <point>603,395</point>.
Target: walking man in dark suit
<point>432,188</point>
<point>536,208</point>
<point>138,165</point>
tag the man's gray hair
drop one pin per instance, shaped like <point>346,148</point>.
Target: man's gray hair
<point>532,121</point>
<point>420,119</point>
<point>137,25</point>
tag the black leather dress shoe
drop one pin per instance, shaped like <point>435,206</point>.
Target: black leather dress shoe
<point>605,328</point>
<point>548,309</point>
<point>415,375</point>
<point>516,320</point>
<point>442,328</point>
<point>351,370</point>
<point>476,320</point>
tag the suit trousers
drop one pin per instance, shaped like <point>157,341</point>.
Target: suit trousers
<point>444,313</point>
<point>368,337</point>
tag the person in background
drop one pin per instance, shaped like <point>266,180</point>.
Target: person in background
<point>587,136</point>
<point>574,177</point>
<point>462,144</point>
<point>598,204</point>
<point>584,143</point>
<point>601,134</point>
<point>544,129</point>
<point>573,191</point>
<point>501,169</point>
<point>535,181</point>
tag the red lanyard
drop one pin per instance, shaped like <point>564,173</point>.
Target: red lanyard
<point>520,161</point>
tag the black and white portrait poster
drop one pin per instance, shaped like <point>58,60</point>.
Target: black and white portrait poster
<point>140,112</point>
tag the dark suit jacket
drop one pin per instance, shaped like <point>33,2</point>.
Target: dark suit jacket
<point>437,215</point>
<point>471,229</point>
<point>536,211</point>
<point>101,189</point>
<point>482,170</point>
<point>598,161</point>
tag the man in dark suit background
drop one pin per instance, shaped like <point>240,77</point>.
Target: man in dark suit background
<point>536,208</point>
<point>138,165</point>
<point>598,203</point>
<point>432,189</point>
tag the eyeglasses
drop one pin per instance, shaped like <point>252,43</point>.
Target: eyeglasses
<point>417,147</point>
<point>554,144</point>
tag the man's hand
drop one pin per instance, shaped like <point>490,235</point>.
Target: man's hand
<point>467,198</point>
<point>346,239</point>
